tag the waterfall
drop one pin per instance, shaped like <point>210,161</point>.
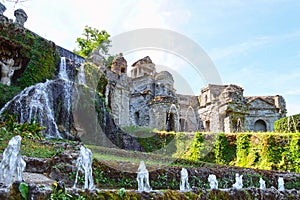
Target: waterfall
<point>48,103</point>
<point>63,69</point>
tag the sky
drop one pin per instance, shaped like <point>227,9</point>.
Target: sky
<point>254,44</point>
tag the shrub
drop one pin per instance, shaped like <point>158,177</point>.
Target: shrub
<point>289,124</point>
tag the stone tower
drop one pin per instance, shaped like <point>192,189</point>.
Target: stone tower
<point>119,65</point>
<point>143,67</point>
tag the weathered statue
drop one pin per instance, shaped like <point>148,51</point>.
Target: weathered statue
<point>184,180</point>
<point>238,181</point>
<point>7,71</point>
<point>262,184</point>
<point>2,8</point>
<point>3,19</point>
<point>213,183</point>
<point>21,17</point>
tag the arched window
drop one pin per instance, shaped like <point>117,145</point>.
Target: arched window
<point>260,126</point>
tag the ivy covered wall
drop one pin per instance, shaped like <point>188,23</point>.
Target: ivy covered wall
<point>268,151</point>
<point>289,124</point>
<point>37,56</point>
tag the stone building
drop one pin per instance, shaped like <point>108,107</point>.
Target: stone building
<point>147,98</point>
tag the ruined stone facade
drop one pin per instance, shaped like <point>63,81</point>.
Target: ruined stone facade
<point>147,98</point>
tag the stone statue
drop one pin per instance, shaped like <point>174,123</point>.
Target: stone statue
<point>213,183</point>
<point>3,19</point>
<point>280,184</point>
<point>143,178</point>
<point>184,180</point>
<point>262,184</point>
<point>2,8</point>
<point>238,181</point>
<point>7,71</point>
<point>239,125</point>
<point>21,17</point>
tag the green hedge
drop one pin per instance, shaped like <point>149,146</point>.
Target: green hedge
<point>269,151</point>
<point>289,124</point>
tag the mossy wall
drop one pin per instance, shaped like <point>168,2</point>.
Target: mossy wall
<point>38,57</point>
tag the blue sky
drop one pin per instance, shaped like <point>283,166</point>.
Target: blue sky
<point>254,44</point>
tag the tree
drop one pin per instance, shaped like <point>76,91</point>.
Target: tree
<point>93,39</point>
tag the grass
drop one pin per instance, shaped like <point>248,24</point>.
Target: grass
<point>120,155</point>
<point>31,147</point>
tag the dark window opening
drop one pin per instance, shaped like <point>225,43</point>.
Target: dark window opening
<point>260,126</point>
<point>170,122</point>
<point>123,70</point>
<point>182,124</point>
<point>137,118</point>
<point>207,126</point>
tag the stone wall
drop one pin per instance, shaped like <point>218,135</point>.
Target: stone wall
<point>70,55</point>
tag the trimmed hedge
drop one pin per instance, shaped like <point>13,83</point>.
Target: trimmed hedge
<point>289,124</point>
<point>268,151</point>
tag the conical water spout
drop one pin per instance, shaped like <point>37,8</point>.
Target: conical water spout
<point>12,164</point>
<point>84,164</point>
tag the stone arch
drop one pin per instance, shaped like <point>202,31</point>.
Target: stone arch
<point>191,121</point>
<point>260,126</point>
<point>172,119</point>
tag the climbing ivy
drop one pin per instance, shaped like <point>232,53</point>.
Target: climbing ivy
<point>289,124</point>
<point>38,54</point>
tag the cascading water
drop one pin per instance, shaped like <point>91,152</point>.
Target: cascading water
<point>143,178</point>
<point>184,180</point>
<point>48,103</point>
<point>12,164</point>
<point>63,69</point>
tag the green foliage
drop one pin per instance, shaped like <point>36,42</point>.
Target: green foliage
<point>42,65</point>
<point>30,130</point>
<point>108,61</point>
<point>7,93</point>
<point>194,152</point>
<point>198,182</point>
<point>40,55</point>
<point>269,151</point>
<point>289,124</point>
<point>243,148</point>
<point>122,192</point>
<point>224,150</point>
<point>150,141</point>
<point>59,193</point>
<point>31,144</point>
<point>23,188</point>
<point>92,39</point>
